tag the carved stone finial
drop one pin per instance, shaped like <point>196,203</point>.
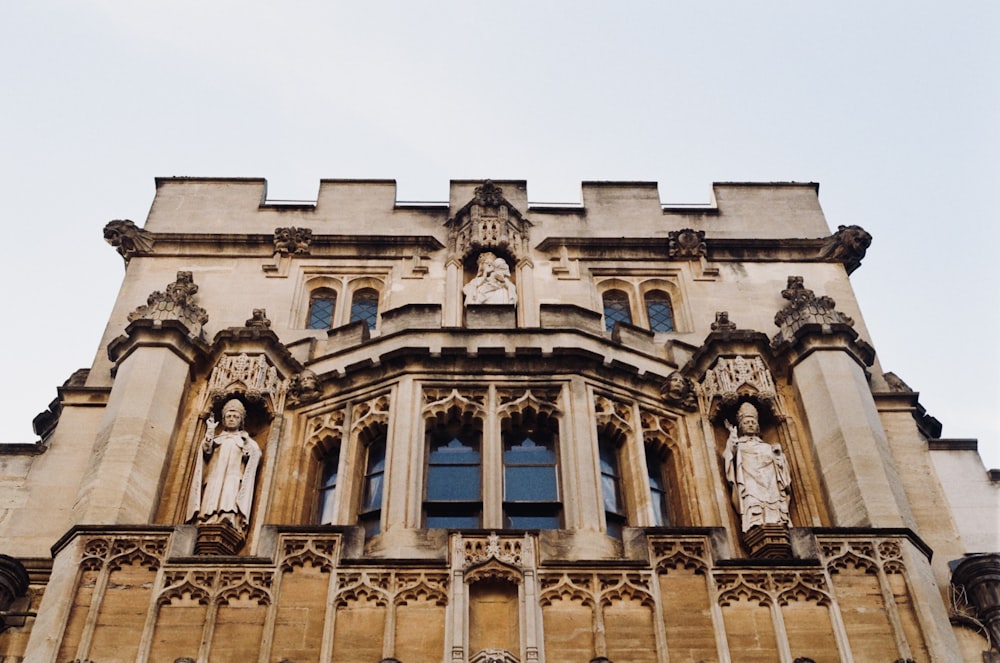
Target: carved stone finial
<point>848,245</point>
<point>127,238</point>
<point>177,303</point>
<point>805,308</point>
<point>489,194</point>
<point>686,244</point>
<point>293,241</point>
<point>679,390</point>
<point>258,319</point>
<point>304,388</point>
<point>722,323</point>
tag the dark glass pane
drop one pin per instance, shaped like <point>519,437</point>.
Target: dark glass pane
<point>609,488</point>
<point>615,526</point>
<point>529,452</point>
<point>530,484</point>
<point>454,453</point>
<point>453,483</point>
<point>616,308</point>
<point>330,466</point>
<point>364,306</point>
<point>657,490</point>
<point>326,506</point>
<point>609,459</point>
<point>321,312</point>
<point>373,493</point>
<point>536,521</point>
<point>371,523</point>
<point>660,312</point>
<point>453,522</point>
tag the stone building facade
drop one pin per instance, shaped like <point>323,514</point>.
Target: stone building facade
<point>360,430</point>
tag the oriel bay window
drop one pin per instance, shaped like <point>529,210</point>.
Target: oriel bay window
<point>453,489</point>
<point>530,472</point>
<point>370,513</point>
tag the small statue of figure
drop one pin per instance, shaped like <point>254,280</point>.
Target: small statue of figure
<point>757,473</point>
<point>225,471</point>
<point>492,284</point>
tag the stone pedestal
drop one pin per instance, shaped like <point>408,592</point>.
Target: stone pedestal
<point>218,539</point>
<point>768,542</point>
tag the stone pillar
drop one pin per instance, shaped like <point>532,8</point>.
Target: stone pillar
<point>827,361</point>
<point>152,368</point>
<point>980,576</point>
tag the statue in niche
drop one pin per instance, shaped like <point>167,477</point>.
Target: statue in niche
<point>757,473</point>
<point>225,471</point>
<point>492,284</point>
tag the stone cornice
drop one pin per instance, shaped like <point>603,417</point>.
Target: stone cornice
<point>171,334</point>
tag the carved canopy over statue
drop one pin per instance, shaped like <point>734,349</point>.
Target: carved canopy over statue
<point>757,473</point>
<point>492,284</point>
<point>225,471</point>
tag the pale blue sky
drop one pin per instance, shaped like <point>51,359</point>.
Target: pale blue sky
<point>892,107</point>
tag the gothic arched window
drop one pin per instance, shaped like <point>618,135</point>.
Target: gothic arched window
<point>453,492</point>
<point>328,485</point>
<point>530,477</point>
<point>655,468</point>
<point>370,515</point>
<point>659,311</point>
<point>322,304</point>
<point>614,508</point>
<point>616,308</point>
<point>364,306</point>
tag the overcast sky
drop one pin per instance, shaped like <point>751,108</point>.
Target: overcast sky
<point>893,107</point>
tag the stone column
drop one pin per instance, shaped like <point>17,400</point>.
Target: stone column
<point>827,359</point>
<point>152,369</point>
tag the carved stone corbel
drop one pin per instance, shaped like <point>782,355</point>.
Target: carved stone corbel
<point>127,238</point>
<point>686,244</point>
<point>848,245</point>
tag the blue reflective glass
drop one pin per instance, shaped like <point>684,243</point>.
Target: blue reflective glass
<point>530,484</point>
<point>533,521</point>
<point>453,483</point>
<point>453,522</point>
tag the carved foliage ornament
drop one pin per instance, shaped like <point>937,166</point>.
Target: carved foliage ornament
<point>252,377</point>
<point>686,244</point>
<point>127,238</point>
<point>732,376</point>
<point>292,241</point>
<point>175,303</point>
<point>804,308</point>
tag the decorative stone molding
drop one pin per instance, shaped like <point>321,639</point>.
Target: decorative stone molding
<point>479,550</point>
<point>127,238</point>
<point>613,416</point>
<point>848,245</point>
<point>686,244</point>
<point>488,222</point>
<point>293,241</point>
<point>732,378</point>
<point>768,542</point>
<point>252,377</point>
<point>979,576</point>
<point>493,656</point>
<point>176,303</point>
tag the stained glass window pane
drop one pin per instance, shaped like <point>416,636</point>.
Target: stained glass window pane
<point>660,312</point>
<point>364,306</point>
<point>321,311</point>
<point>616,309</point>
